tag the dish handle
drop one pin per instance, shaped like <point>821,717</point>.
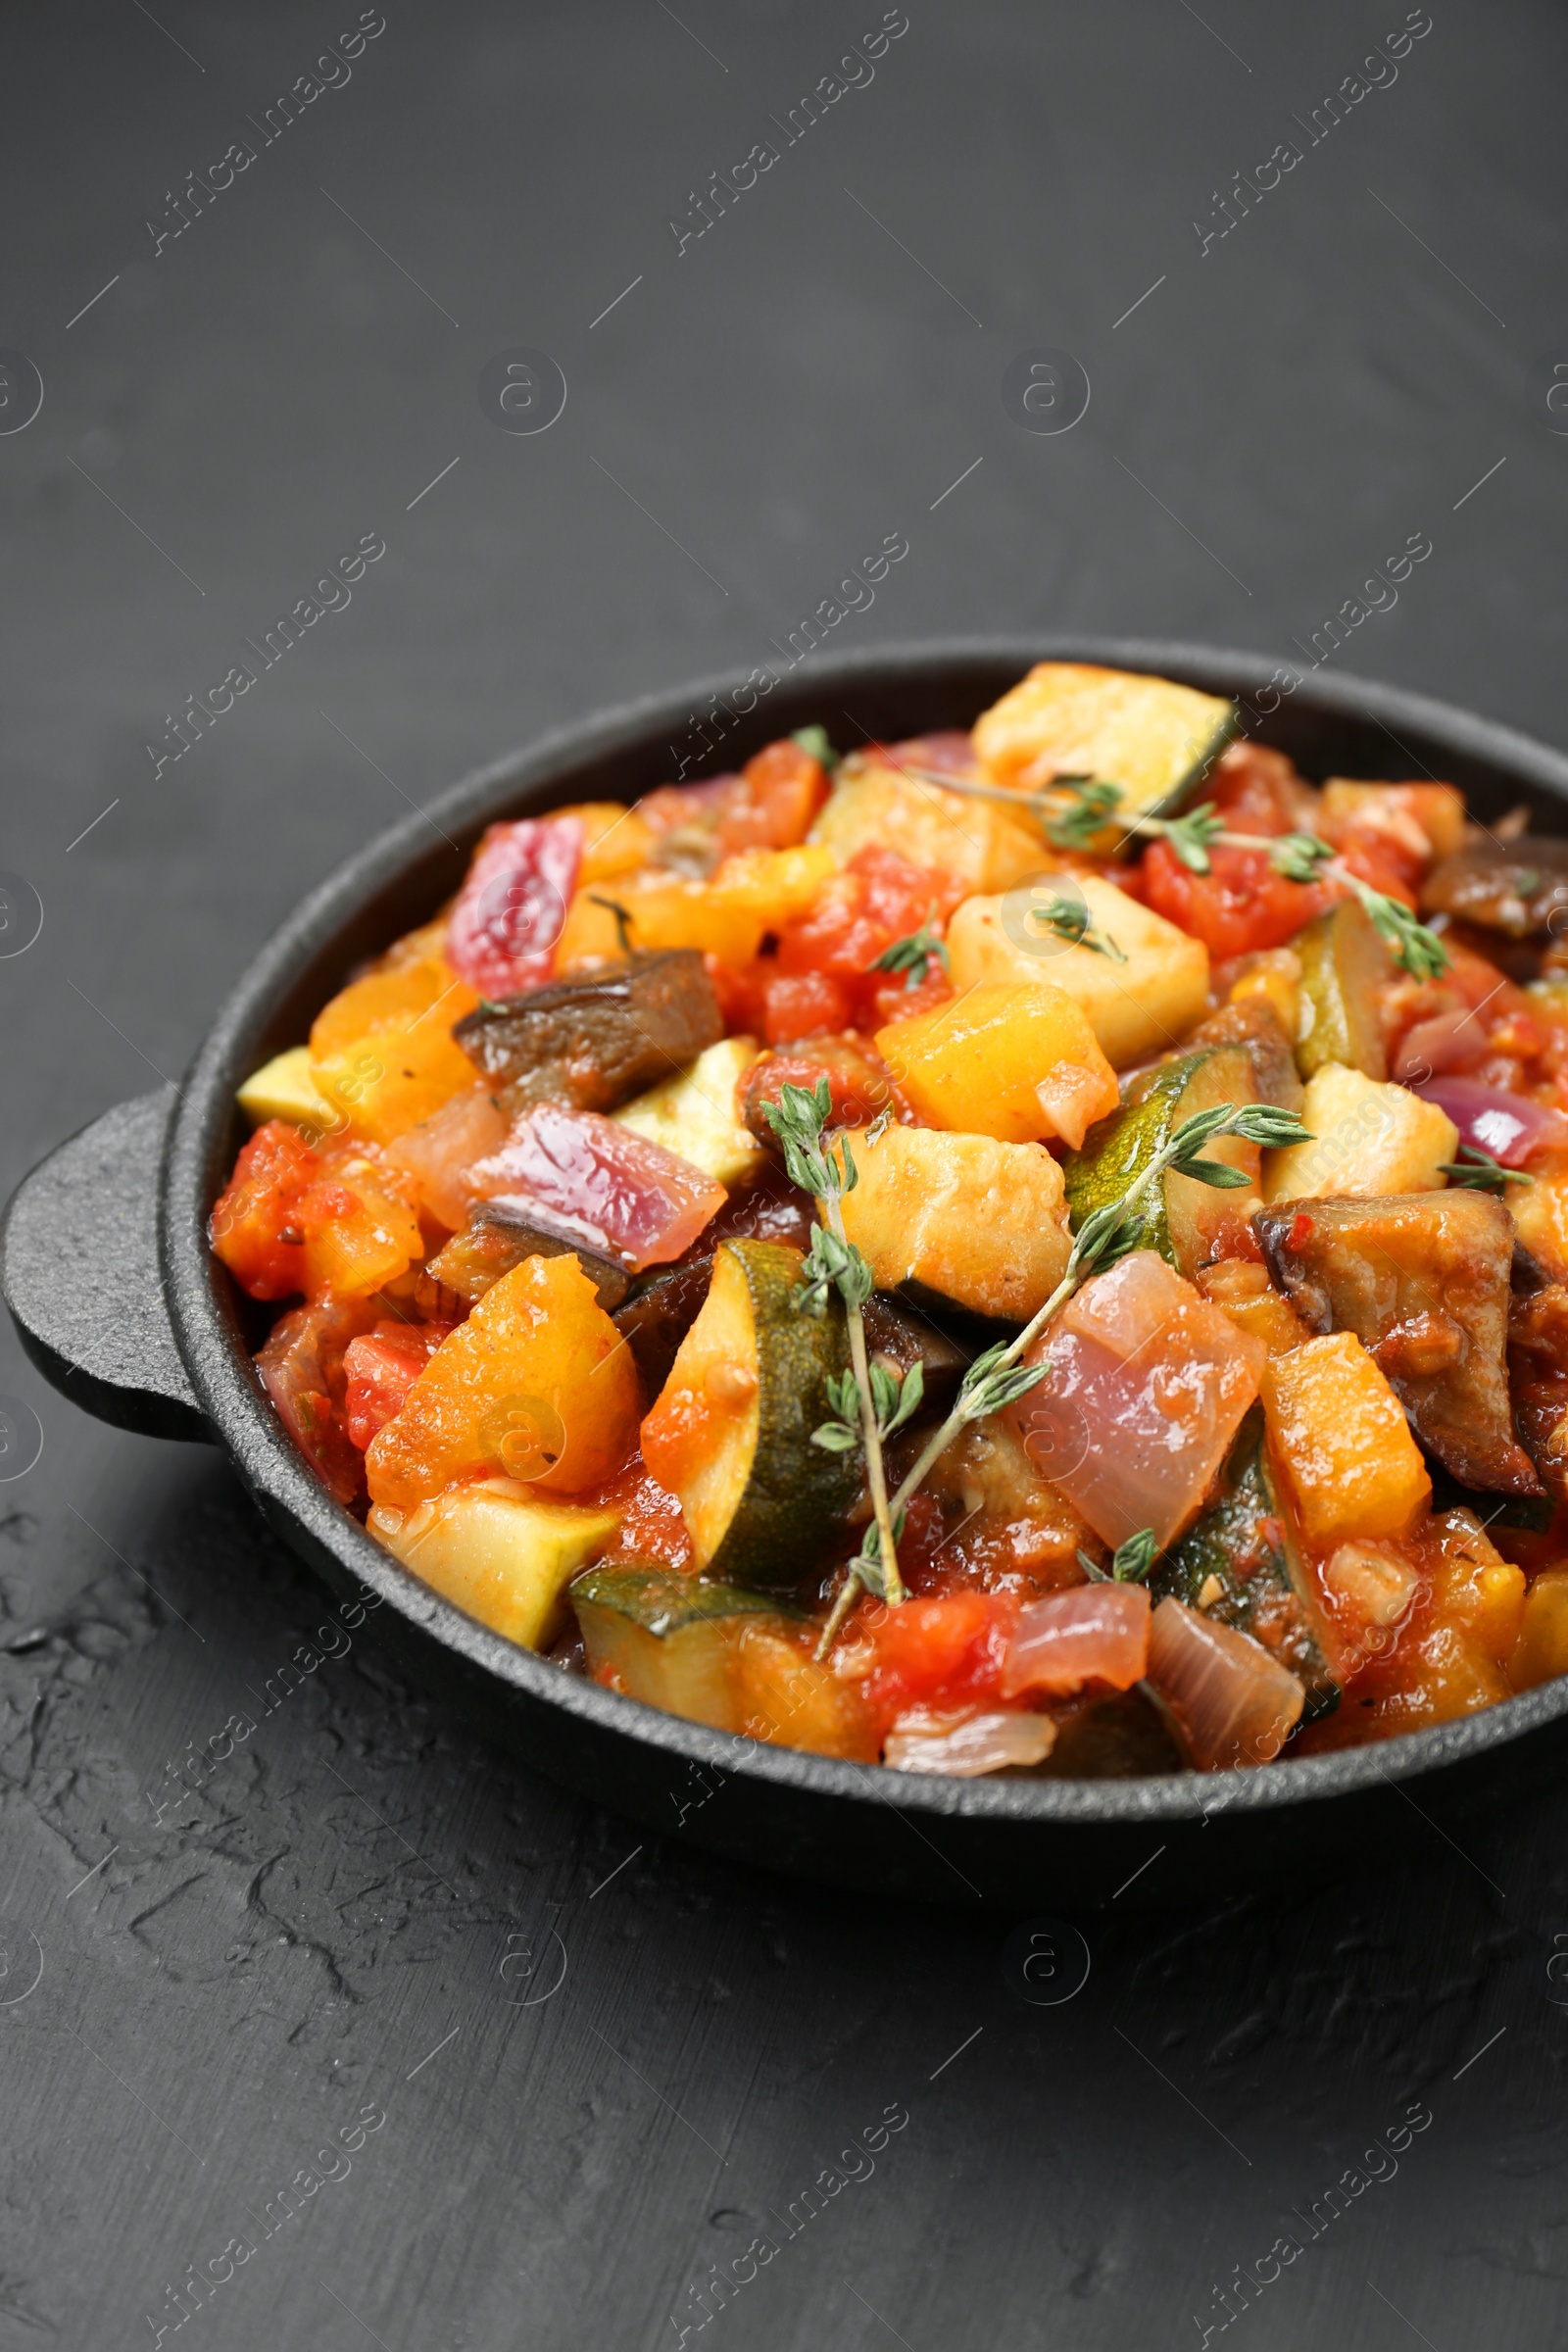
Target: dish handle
<point>80,1271</point>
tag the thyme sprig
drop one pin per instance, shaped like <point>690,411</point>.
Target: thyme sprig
<point>914,956</point>
<point>1130,1562</point>
<point>821,1163</point>
<point>997,1377</point>
<point>1076,811</point>
<point>814,744</point>
<point>1477,1171</point>
<point>1069,918</point>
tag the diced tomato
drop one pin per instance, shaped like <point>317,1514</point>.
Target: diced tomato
<point>512,908</point>
<point>947,1650</point>
<point>1259,791</point>
<point>878,898</point>
<point>379,1370</point>
<point>302,1371</point>
<point>768,805</point>
<point>253,1227</point>
<point>1240,905</point>
<point>859,1084</point>
<point>652,1525</point>
<point>894,1000</point>
<point>802,1004</point>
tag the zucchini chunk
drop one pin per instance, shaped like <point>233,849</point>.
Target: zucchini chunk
<point>982,1224</point>
<point>669,1639</point>
<point>1423,1281</point>
<point>1133,1008</point>
<point>731,1432</point>
<point>718,1654</point>
<point>594,1041</point>
<point>499,1551</point>
<point>283,1089</point>
<point>1183,1217</point>
<point>1345,966</point>
<point>1241,1563</point>
<point>1154,738</point>
<point>694,1114</point>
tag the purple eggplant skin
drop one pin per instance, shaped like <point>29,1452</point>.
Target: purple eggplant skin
<point>595,1041</point>
<point>1422,1280</point>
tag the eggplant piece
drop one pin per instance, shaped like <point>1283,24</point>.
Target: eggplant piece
<point>1344,968</point>
<point>1423,1281</point>
<point>1116,1736</point>
<point>1537,1365</point>
<point>595,1041</point>
<point>1514,887</point>
<point>1253,1022</point>
<point>498,1237</point>
<point>1240,1564</point>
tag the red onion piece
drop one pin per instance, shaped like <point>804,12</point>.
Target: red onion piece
<point>1444,1043</point>
<point>592,1180</point>
<point>1146,1388</point>
<point>1234,1703</point>
<point>1093,1634</point>
<point>949,752</point>
<point>1509,1126</point>
<point>440,1150</point>
<point>966,1746</point>
<point>511,909</point>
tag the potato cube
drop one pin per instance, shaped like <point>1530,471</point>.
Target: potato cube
<point>1021,1064</point>
<point>1339,1433</point>
<point>1146,734</point>
<point>499,1551</point>
<point>874,806</point>
<point>1428,818</point>
<point>980,1222</point>
<point>283,1089</point>
<point>1540,1651</point>
<point>1368,1136</point>
<point>1135,1008</point>
<point>694,1113</point>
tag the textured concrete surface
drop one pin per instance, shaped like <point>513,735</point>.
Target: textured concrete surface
<point>526,2077</point>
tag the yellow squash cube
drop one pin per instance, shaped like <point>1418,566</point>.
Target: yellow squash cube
<point>499,1551</point>
<point>1339,1435</point>
<point>382,1053</point>
<point>283,1089</point>
<point>1017,1062</point>
<point>980,1222</point>
<point>1136,1007</point>
<point>694,1113</point>
<point>1368,1136</point>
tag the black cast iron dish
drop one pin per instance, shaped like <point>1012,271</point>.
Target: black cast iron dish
<point>157,1339</point>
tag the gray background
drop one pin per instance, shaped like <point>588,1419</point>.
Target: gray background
<point>289,1943</point>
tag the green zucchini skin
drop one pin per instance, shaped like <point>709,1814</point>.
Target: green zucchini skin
<point>671,1637</point>
<point>1344,966</point>
<point>1244,1541</point>
<point>1118,1147</point>
<point>796,1494</point>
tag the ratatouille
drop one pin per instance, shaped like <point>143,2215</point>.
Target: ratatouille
<point>1040,1249</point>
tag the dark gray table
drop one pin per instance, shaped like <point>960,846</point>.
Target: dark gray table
<point>605,2066</point>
